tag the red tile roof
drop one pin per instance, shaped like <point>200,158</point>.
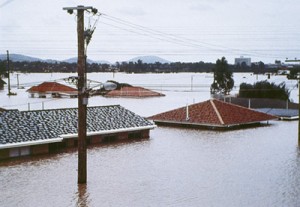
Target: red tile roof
<point>133,91</point>
<point>212,113</point>
<point>50,87</point>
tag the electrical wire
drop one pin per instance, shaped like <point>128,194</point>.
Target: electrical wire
<point>163,37</point>
<point>178,40</point>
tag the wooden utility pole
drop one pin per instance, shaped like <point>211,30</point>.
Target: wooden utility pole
<point>82,98</point>
<point>8,72</point>
<point>82,156</point>
<point>298,100</point>
<point>298,112</point>
<point>18,85</point>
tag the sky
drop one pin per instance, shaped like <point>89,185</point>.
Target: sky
<point>176,30</point>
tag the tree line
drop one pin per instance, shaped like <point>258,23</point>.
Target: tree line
<point>222,84</point>
<point>128,67</point>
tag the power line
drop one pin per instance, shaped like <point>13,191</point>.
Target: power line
<point>163,37</point>
<point>179,40</point>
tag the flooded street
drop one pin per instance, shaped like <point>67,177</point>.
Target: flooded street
<point>175,167</point>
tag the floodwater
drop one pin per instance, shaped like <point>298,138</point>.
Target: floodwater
<point>175,167</point>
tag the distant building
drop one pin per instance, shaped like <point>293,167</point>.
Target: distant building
<point>240,60</point>
<point>24,133</point>
<point>52,89</point>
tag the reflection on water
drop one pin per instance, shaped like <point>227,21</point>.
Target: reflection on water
<point>290,194</point>
<point>82,196</point>
<point>175,167</point>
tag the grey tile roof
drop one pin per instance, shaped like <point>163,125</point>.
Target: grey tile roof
<point>280,112</point>
<point>259,103</point>
<point>21,126</point>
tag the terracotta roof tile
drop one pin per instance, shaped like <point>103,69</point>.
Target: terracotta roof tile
<point>133,91</point>
<point>212,113</point>
<point>51,87</point>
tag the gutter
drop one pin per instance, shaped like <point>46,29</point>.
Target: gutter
<point>289,118</point>
<point>209,125</point>
<point>30,143</point>
<point>66,136</point>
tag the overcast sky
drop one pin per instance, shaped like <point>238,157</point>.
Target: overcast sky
<point>176,30</point>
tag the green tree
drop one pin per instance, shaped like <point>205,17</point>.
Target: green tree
<point>3,73</point>
<point>264,89</point>
<point>294,73</point>
<point>223,81</point>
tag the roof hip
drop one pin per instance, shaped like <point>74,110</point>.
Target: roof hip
<point>217,111</point>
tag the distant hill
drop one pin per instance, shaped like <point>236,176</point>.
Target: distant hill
<point>74,60</point>
<point>19,58</point>
<point>23,58</point>
<point>149,59</point>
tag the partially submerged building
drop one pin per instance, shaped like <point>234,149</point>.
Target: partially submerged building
<point>283,114</point>
<point>285,110</point>
<point>38,132</point>
<point>52,89</point>
<point>212,114</point>
<point>133,92</point>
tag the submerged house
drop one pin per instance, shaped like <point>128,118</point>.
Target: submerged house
<point>133,92</point>
<point>52,89</point>
<point>285,110</point>
<point>25,133</point>
<point>212,114</point>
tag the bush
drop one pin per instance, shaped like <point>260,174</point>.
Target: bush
<point>264,89</point>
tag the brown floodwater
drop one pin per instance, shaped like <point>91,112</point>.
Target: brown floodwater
<point>175,167</point>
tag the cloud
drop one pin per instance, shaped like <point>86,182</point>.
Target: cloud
<point>5,3</point>
<point>206,5</point>
<point>201,7</point>
<point>133,11</point>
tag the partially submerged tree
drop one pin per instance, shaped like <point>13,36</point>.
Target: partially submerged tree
<point>3,73</point>
<point>264,89</point>
<point>294,73</point>
<point>223,81</point>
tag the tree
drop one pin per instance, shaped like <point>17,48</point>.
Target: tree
<point>294,73</point>
<point>139,66</point>
<point>223,81</point>
<point>264,89</point>
<point>3,73</point>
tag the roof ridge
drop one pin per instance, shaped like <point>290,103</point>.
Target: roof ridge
<point>217,111</point>
<point>56,109</point>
